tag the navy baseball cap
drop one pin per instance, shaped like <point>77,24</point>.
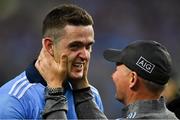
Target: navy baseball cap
<point>149,59</point>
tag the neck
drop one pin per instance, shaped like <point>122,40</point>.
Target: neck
<point>143,95</point>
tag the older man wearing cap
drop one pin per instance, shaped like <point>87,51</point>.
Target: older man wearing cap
<point>142,70</point>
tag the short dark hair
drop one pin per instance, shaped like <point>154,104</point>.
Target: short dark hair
<point>66,14</point>
<point>153,87</point>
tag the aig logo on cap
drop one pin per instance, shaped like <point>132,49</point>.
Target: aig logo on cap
<point>145,64</point>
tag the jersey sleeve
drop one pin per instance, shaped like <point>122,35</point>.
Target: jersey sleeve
<point>11,108</point>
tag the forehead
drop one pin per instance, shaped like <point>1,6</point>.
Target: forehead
<point>78,33</point>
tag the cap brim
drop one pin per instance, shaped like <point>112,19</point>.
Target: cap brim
<point>112,55</point>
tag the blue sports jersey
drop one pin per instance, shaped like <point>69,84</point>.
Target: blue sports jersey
<point>23,97</point>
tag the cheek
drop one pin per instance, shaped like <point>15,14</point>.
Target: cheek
<point>70,61</point>
<point>115,77</point>
<point>118,79</point>
<point>71,58</point>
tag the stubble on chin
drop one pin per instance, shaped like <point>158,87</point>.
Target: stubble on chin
<point>70,77</point>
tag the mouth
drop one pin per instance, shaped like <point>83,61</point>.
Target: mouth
<point>78,65</point>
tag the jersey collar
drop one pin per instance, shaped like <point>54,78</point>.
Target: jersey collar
<point>33,75</point>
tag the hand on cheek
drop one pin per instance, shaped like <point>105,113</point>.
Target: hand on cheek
<point>54,72</point>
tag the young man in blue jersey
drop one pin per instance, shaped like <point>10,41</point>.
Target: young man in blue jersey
<point>56,102</point>
<point>67,30</point>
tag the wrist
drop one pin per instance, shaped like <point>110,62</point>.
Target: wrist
<point>82,90</point>
<point>54,84</point>
<point>81,86</point>
<point>54,91</point>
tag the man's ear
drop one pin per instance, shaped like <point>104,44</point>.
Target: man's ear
<point>134,80</point>
<point>47,43</point>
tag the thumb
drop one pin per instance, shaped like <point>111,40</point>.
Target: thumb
<point>64,62</point>
<point>85,72</point>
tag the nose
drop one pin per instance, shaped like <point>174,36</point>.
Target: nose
<point>112,76</point>
<point>84,54</point>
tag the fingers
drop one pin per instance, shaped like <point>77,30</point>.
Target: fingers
<point>53,72</point>
<point>46,55</point>
<point>42,63</point>
<point>43,55</point>
<point>44,60</point>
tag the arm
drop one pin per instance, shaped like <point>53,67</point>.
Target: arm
<point>11,108</point>
<point>83,97</point>
<point>85,106</point>
<point>56,104</point>
<point>54,72</point>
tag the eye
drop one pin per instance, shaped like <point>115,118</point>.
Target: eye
<point>75,46</point>
<point>89,47</point>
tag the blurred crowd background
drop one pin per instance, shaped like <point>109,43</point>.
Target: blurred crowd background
<point>117,23</point>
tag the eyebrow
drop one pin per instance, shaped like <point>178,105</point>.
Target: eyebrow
<point>92,42</point>
<point>80,43</point>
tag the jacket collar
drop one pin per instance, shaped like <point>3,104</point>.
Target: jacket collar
<point>144,106</point>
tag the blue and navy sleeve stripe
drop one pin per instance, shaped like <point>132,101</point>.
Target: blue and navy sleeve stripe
<point>20,87</point>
